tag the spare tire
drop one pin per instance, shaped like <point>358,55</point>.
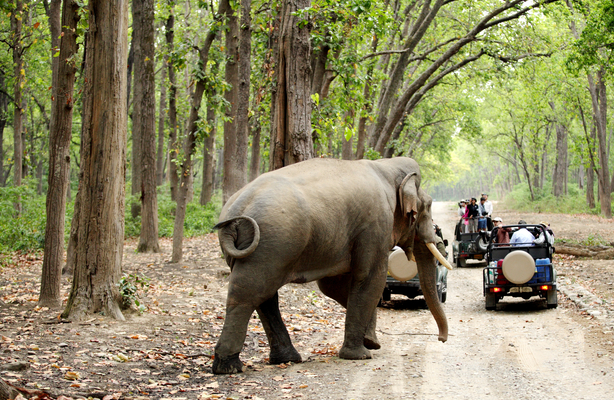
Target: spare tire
<point>399,267</point>
<point>482,244</point>
<point>518,267</point>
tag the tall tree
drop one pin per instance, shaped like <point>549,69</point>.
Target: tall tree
<point>160,155</point>
<point>291,139</point>
<point>224,10</point>
<point>17,16</point>
<point>143,122</point>
<point>236,127</point>
<point>172,105</point>
<point>4,106</point>
<point>99,246</point>
<point>559,177</point>
<point>234,162</point>
<point>60,134</point>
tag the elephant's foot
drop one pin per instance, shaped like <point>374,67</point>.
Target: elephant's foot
<point>227,365</point>
<point>287,354</point>
<point>371,343</point>
<point>354,353</point>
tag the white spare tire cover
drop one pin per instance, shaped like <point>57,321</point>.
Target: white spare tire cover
<point>400,267</point>
<point>518,267</point>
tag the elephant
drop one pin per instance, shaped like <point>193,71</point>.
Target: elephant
<point>330,221</point>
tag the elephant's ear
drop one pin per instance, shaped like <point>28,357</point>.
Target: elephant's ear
<point>408,196</point>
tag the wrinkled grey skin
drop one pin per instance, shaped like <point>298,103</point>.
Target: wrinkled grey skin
<point>329,221</point>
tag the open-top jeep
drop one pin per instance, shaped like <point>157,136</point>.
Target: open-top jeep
<point>520,269</point>
<point>468,246</point>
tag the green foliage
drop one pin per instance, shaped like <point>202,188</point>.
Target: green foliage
<point>25,230</point>
<point>596,42</point>
<point>574,203</point>
<point>130,288</point>
<point>198,220</point>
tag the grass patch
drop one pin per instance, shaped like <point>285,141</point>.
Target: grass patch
<point>573,203</point>
<point>25,231</point>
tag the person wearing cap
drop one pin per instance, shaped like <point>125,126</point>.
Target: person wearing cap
<point>522,237</point>
<point>503,234</point>
<point>482,215</point>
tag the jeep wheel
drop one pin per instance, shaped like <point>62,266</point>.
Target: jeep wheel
<point>462,262</point>
<point>386,294</point>
<point>551,298</point>
<point>491,301</point>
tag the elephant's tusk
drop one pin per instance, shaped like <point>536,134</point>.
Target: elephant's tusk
<point>438,256</point>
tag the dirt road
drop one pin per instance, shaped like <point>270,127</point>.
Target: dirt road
<point>522,351</point>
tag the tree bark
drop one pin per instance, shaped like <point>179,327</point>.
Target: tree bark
<point>559,178</point>
<point>99,246</point>
<point>597,90</point>
<point>4,106</point>
<point>16,28</point>
<point>54,14</point>
<point>144,121</point>
<point>234,175</point>
<point>60,134</point>
<point>254,168</point>
<point>160,156</point>
<point>291,138</point>
<point>173,174</point>
<point>208,157</point>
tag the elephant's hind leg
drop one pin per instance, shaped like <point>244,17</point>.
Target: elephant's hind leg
<point>282,350</point>
<point>244,295</point>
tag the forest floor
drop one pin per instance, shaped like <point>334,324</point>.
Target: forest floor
<point>165,351</point>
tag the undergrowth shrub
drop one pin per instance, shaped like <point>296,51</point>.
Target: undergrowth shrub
<point>573,203</point>
<point>25,230</point>
<point>198,220</point>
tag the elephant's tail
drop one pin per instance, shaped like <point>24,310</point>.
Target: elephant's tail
<point>239,236</point>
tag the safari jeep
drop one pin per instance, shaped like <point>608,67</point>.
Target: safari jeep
<point>403,277</point>
<point>521,269</point>
<point>469,246</point>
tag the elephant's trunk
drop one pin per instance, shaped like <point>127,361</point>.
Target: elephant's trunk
<point>239,236</point>
<point>427,270</point>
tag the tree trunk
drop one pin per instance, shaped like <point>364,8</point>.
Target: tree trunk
<point>172,109</point>
<point>160,156</point>
<point>559,178</point>
<point>4,106</point>
<point>291,138</point>
<point>54,14</point>
<point>599,100</point>
<point>99,246</point>
<point>60,135</point>
<point>208,160</point>
<point>224,9</point>
<point>254,168</point>
<point>144,121</point>
<point>16,28</point>
<point>590,187</point>
<point>234,174</point>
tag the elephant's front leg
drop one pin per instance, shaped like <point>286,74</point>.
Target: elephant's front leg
<point>365,291</point>
<point>282,350</point>
<point>338,289</point>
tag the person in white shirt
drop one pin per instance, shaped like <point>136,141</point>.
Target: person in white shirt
<point>487,205</point>
<point>522,237</point>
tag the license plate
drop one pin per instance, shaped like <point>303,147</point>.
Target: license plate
<point>478,256</point>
